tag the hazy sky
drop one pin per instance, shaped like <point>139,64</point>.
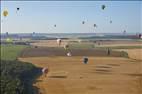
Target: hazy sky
<point>41,16</point>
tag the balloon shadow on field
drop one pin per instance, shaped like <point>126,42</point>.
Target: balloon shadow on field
<point>57,76</point>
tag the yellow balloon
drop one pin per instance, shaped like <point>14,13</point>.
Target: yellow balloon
<point>5,13</point>
<point>9,40</point>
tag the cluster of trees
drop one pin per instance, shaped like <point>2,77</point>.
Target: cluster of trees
<point>16,77</point>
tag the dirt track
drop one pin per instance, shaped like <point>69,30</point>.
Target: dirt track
<point>108,75</point>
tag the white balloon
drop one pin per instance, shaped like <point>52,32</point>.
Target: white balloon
<point>59,41</point>
<point>44,70</point>
<point>79,41</point>
<point>69,54</point>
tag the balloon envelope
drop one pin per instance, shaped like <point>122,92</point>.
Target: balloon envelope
<point>59,41</point>
<point>45,70</point>
<point>6,33</point>
<point>85,60</point>
<point>124,31</point>
<point>83,22</point>
<point>18,8</point>
<point>95,25</point>
<point>69,54</point>
<point>5,13</point>
<point>103,7</point>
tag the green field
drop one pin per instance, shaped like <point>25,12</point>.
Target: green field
<point>91,45</point>
<point>81,45</point>
<point>11,52</point>
<point>121,47</point>
<point>16,75</point>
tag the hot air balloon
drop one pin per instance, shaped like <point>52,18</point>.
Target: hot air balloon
<point>103,7</point>
<point>110,21</point>
<point>5,13</point>
<point>85,60</point>
<point>45,71</point>
<point>6,33</point>
<point>18,9</point>
<point>140,36</point>
<point>83,22</point>
<point>95,25</point>
<point>69,54</point>
<point>124,32</point>
<point>33,33</point>
<point>59,41</point>
<point>55,25</point>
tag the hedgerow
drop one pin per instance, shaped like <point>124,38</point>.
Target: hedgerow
<point>16,77</point>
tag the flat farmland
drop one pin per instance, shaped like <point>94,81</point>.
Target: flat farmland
<point>102,75</point>
<point>103,43</point>
<point>114,74</point>
<point>133,53</point>
<point>50,51</point>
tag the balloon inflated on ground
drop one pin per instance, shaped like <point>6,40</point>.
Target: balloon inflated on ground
<point>69,54</point>
<point>59,41</point>
<point>45,71</point>
<point>85,60</point>
<point>140,36</point>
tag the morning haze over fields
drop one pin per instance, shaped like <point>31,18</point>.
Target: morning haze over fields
<point>41,16</point>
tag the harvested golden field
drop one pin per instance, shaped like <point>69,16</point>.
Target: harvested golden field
<point>103,43</point>
<point>127,44</point>
<point>102,75</point>
<point>48,43</point>
<point>133,53</point>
